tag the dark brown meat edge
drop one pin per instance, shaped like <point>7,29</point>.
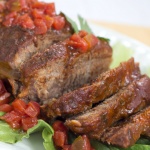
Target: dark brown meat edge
<point>17,45</point>
<point>82,99</point>
<point>126,134</point>
<point>60,69</point>
<point>127,101</point>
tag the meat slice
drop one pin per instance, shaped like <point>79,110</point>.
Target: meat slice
<point>127,101</point>
<point>17,45</point>
<point>82,99</point>
<point>58,69</point>
<point>126,134</point>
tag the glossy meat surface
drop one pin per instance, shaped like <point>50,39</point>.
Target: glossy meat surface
<point>127,101</point>
<point>126,134</point>
<point>83,98</point>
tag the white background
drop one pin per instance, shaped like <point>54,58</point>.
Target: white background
<point>134,12</point>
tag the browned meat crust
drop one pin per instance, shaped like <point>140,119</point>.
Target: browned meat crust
<point>82,99</point>
<point>17,45</point>
<point>58,69</point>
<point>129,132</point>
<point>127,101</point>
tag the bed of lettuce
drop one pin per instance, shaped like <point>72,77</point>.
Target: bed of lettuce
<point>12,136</point>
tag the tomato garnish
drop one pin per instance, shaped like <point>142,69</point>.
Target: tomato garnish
<point>26,13</point>
<point>82,41</point>
<point>19,106</point>
<point>33,109</point>
<point>59,22</point>
<point>11,117</point>
<point>28,122</point>
<point>6,108</point>
<point>40,26</point>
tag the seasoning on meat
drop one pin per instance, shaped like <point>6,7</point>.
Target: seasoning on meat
<point>127,101</point>
<point>58,69</point>
<point>126,134</point>
<point>82,99</point>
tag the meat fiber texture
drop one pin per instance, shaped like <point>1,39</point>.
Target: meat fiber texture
<point>126,102</point>
<point>126,134</point>
<point>81,99</point>
<point>58,70</point>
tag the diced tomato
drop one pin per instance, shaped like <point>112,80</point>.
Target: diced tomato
<point>37,14</point>
<point>28,122</point>
<point>50,9</point>
<point>81,143</point>
<point>26,22</point>
<point>11,117</point>
<point>82,33</point>
<point>91,40</point>
<point>33,109</point>
<point>60,138</point>
<point>40,26</point>
<point>4,98</point>
<point>59,126</point>
<point>15,124</point>
<point>6,108</point>
<point>39,5</point>
<point>59,22</point>
<point>23,4</point>
<point>77,42</point>
<point>87,144</point>
<point>48,21</point>
<point>19,106</point>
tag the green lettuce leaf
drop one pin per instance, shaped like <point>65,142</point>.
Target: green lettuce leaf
<point>9,135</point>
<point>120,53</point>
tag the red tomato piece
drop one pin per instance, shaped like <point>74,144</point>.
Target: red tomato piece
<point>9,19</point>
<point>91,40</point>
<point>82,33</point>
<point>19,106</point>
<point>6,108</point>
<point>39,5</point>
<point>23,4</point>
<point>48,21</point>
<point>60,138</point>
<point>37,14</point>
<point>15,124</point>
<point>50,9</point>
<point>87,144</point>
<point>59,22</point>
<point>26,22</point>
<point>40,26</point>
<point>11,117</point>
<point>4,99</point>
<point>28,122</point>
<point>59,126</point>
<point>33,109</point>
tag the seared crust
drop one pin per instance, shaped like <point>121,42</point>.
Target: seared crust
<point>126,134</point>
<point>58,69</point>
<point>83,98</point>
<point>127,101</point>
<point>17,45</point>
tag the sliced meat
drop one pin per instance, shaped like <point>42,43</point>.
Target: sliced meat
<point>58,69</point>
<point>17,45</point>
<point>127,101</point>
<point>82,99</point>
<point>126,134</point>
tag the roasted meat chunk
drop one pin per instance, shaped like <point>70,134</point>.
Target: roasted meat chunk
<point>126,134</point>
<point>17,45</point>
<point>83,98</point>
<point>58,69</point>
<point>127,101</point>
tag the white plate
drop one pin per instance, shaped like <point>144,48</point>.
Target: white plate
<point>141,54</point>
